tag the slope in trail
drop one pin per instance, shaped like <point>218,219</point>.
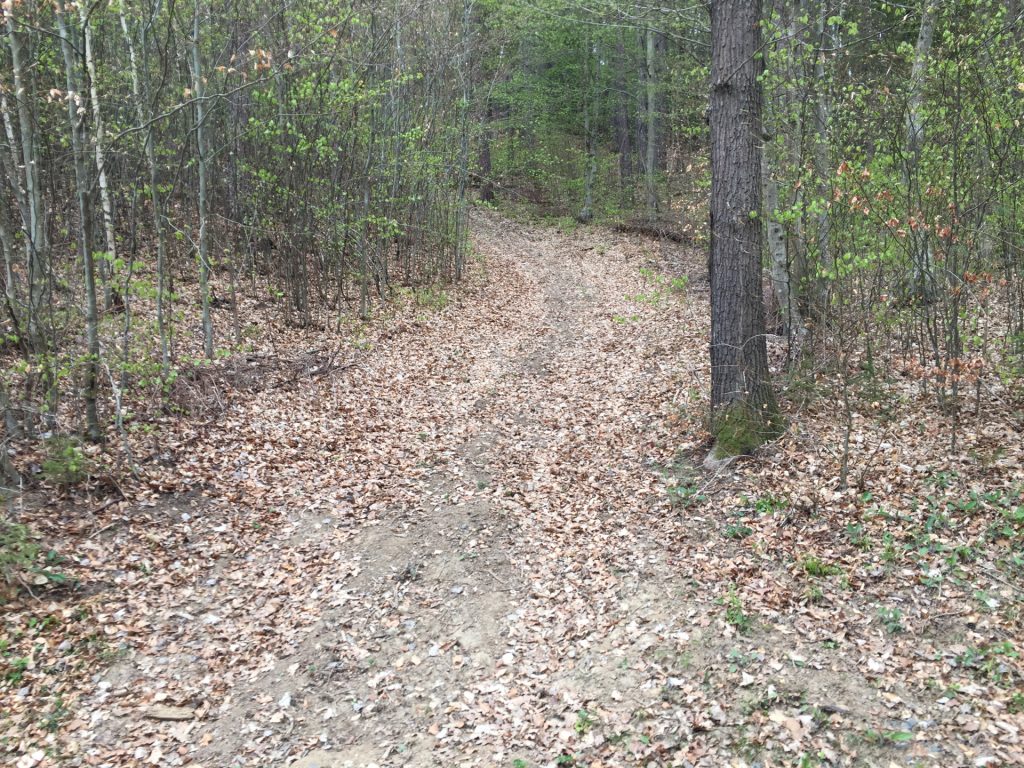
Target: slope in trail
<point>507,616</point>
<point>507,581</point>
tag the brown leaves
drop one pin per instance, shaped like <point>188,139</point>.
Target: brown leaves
<point>475,540</point>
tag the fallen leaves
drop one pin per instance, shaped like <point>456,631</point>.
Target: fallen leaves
<point>464,540</point>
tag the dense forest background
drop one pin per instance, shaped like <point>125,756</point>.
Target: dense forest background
<point>166,155</point>
<point>367,373</point>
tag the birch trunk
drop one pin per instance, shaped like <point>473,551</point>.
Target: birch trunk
<point>98,139</point>
<point>780,269</point>
<point>922,286</point>
<point>145,118</point>
<point>77,114</point>
<point>34,212</point>
<point>203,247</point>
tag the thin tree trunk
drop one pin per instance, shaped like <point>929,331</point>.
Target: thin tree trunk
<point>486,169</point>
<point>11,304</point>
<point>923,286</point>
<point>9,162</point>
<point>79,143</point>
<point>199,91</point>
<point>589,98</point>
<point>98,139</point>
<point>623,142</point>
<point>461,210</point>
<point>822,109</point>
<point>143,114</point>
<point>650,186</point>
<point>778,258</point>
<point>34,229</point>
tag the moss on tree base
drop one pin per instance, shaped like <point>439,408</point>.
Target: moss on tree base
<point>739,429</point>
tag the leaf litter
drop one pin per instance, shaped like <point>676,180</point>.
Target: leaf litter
<point>480,536</point>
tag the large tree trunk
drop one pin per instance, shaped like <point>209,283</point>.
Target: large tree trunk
<point>744,413</point>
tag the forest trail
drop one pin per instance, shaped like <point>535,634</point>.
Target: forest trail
<point>475,555</point>
<point>506,615</point>
<point>510,607</point>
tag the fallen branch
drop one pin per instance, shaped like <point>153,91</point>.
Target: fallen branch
<point>658,229</point>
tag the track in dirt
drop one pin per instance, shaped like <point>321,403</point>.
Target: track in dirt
<point>478,626</point>
<point>480,563</point>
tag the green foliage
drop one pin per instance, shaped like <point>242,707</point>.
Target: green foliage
<point>1016,704</point>
<point>15,670</point>
<point>814,566</point>
<point>65,463</point>
<point>892,737</point>
<point>735,614</point>
<point>737,531</point>
<point>685,495</point>
<point>662,287</point>
<point>857,535</point>
<point>892,619</point>
<point>990,661</point>
<point>431,297</point>
<point>770,504</point>
<point>18,552</point>
<point>584,722</point>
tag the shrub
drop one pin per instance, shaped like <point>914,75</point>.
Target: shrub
<point>17,554</point>
<point>65,463</point>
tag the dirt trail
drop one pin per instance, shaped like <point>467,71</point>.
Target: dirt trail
<point>499,621</point>
<point>507,616</point>
<point>532,596</point>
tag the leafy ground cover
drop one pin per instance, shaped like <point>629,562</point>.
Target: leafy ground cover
<point>475,531</point>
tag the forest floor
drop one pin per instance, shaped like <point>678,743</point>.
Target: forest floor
<point>477,533</point>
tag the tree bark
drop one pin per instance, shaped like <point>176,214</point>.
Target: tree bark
<point>34,215</point>
<point>106,204</point>
<point>744,413</point>
<point>780,269</point>
<point>586,213</point>
<point>650,157</point>
<point>462,213</point>
<point>922,286</point>
<point>623,142</point>
<point>203,249</point>
<point>486,167</point>
<point>144,115</point>
<point>83,185</point>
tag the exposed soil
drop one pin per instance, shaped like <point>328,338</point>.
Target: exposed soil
<point>470,555</point>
